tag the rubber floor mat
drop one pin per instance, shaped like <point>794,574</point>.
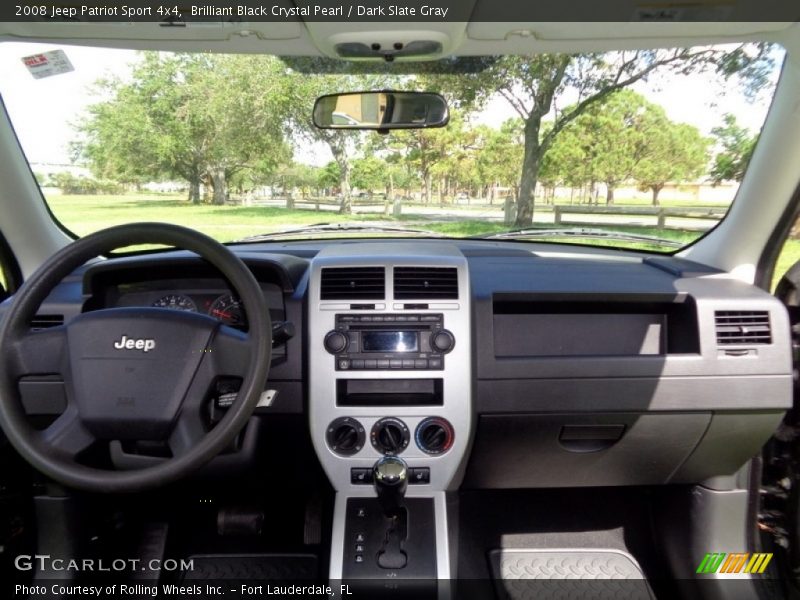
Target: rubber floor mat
<point>273,567</point>
<point>522,574</point>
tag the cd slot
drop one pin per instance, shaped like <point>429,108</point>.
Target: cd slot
<point>389,392</point>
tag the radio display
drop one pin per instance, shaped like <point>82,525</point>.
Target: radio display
<point>389,341</point>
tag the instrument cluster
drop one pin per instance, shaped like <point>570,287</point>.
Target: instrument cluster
<point>225,307</point>
<point>205,296</point>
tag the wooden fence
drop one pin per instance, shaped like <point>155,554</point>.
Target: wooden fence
<point>661,214</point>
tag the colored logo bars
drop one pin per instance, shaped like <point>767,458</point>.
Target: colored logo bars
<point>721,562</point>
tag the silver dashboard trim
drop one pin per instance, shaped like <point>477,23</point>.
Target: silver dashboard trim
<point>457,407</point>
<point>457,378</point>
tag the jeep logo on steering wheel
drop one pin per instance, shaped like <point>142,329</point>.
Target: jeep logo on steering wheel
<point>126,343</point>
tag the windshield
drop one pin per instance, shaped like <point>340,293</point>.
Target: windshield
<point>635,149</point>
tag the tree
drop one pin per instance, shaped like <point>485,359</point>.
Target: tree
<point>458,146</point>
<point>399,172</point>
<point>559,164</point>
<point>342,153</point>
<point>329,175</point>
<point>240,113</point>
<point>499,161</point>
<point>263,170</point>
<point>293,176</point>
<point>190,116</point>
<point>369,173</point>
<point>620,124</point>
<point>605,143</point>
<point>675,152</point>
<point>300,91</point>
<point>423,149</point>
<point>736,145</point>
<point>532,85</point>
<point>134,133</point>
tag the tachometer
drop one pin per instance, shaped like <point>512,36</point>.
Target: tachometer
<point>228,309</point>
<point>176,302</point>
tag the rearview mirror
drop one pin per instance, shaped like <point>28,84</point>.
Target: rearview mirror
<point>381,110</point>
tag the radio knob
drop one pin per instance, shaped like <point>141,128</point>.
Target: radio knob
<point>443,341</point>
<point>335,342</point>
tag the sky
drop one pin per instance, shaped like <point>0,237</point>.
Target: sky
<point>43,111</point>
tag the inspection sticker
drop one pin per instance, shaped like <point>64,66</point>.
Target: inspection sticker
<point>47,64</point>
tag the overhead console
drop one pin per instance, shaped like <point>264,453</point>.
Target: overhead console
<point>390,389</point>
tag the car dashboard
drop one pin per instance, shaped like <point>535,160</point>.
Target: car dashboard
<point>486,364</point>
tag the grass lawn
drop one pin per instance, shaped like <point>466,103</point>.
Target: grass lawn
<point>85,214</point>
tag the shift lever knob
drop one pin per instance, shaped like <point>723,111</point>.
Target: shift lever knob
<point>390,476</point>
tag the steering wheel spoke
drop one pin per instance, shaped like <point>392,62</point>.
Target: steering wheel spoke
<point>191,424</point>
<point>39,353</point>
<point>228,355</point>
<point>188,431</point>
<point>67,435</point>
<point>230,352</point>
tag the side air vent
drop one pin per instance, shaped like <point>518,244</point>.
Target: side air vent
<point>40,322</point>
<point>357,283</point>
<point>743,327</point>
<point>436,283</point>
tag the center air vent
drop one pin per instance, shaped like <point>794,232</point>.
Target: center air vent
<point>743,327</point>
<point>357,283</point>
<point>415,283</point>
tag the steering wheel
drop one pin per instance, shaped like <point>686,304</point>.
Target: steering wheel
<point>132,374</point>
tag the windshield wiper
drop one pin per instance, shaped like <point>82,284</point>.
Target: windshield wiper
<point>334,228</point>
<point>578,232</point>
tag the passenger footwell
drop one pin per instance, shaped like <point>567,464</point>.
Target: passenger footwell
<point>599,574</point>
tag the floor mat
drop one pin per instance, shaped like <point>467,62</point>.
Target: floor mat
<point>521,574</point>
<point>273,567</point>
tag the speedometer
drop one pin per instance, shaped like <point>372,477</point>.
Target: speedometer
<point>176,302</point>
<point>228,309</point>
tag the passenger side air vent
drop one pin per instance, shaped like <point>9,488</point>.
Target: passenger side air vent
<point>412,283</point>
<point>40,322</point>
<point>742,327</point>
<point>353,283</point>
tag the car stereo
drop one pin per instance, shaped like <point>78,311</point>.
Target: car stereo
<point>389,342</point>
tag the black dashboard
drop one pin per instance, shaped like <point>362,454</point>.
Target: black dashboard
<point>594,367</point>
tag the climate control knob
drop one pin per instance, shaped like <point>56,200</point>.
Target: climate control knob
<point>443,341</point>
<point>335,342</point>
<point>434,435</point>
<point>345,436</point>
<point>390,436</point>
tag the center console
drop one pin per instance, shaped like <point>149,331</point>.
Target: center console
<point>390,377</point>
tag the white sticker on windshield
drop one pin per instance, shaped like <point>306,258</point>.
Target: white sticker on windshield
<point>48,64</point>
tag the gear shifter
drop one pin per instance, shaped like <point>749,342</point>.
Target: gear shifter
<point>393,535</point>
<point>390,476</point>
